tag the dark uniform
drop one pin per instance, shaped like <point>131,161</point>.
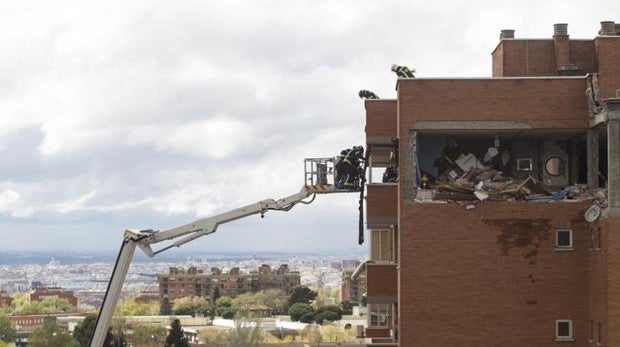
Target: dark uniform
<point>402,71</point>
<point>367,94</point>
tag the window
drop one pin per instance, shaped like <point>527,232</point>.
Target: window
<point>524,164</point>
<point>378,315</point>
<point>564,239</point>
<point>564,330</point>
<point>380,244</point>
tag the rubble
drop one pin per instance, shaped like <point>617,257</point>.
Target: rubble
<point>464,177</point>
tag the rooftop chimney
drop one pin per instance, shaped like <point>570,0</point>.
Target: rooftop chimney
<point>561,45</point>
<point>608,28</point>
<point>560,29</point>
<point>507,34</point>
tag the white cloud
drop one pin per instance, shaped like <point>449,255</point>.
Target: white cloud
<point>11,202</point>
<point>141,112</point>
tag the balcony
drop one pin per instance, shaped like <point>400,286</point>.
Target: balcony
<point>380,121</point>
<point>382,283</point>
<point>381,202</point>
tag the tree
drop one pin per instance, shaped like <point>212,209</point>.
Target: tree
<point>328,313</point>
<point>347,306</point>
<point>216,294</point>
<point>332,333</point>
<point>224,307</point>
<point>190,305</point>
<point>148,335</point>
<point>45,306</point>
<point>296,311</point>
<point>301,294</point>
<point>51,335</point>
<point>276,300</point>
<point>7,330</point>
<point>249,302</point>
<point>83,331</point>
<point>213,335</point>
<point>307,318</point>
<point>165,308</point>
<point>130,307</point>
<point>246,332</point>
<point>175,337</point>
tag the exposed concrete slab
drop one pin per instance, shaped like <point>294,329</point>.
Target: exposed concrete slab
<point>469,125</point>
<point>409,168</point>
<point>593,159</point>
<point>613,163</point>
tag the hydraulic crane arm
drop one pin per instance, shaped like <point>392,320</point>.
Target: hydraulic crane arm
<point>206,226</point>
<point>319,180</point>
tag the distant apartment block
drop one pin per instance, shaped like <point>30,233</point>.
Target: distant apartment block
<point>41,293</point>
<point>180,283</point>
<point>353,285</point>
<point>5,298</point>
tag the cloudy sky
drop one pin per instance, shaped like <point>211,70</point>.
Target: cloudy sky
<point>151,114</point>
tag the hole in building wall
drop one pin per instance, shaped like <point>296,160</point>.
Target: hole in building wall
<point>505,165</point>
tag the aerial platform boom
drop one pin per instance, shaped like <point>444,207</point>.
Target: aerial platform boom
<point>320,176</point>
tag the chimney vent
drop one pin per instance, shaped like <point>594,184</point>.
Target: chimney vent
<point>608,28</point>
<point>560,29</point>
<point>507,34</point>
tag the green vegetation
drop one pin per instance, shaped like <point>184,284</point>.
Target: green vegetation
<point>84,331</point>
<point>20,305</point>
<point>51,335</point>
<point>301,294</point>
<point>298,310</point>
<point>130,307</point>
<point>176,338</point>
<point>7,330</point>
<point>148,335</point>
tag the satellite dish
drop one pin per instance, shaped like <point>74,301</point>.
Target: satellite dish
<point>593,213</point>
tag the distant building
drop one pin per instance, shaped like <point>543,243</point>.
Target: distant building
<point>180,283</point>
<point>145,297</point>
<point>41,293</point>
<point>5,298</point>
<point>353,285</point>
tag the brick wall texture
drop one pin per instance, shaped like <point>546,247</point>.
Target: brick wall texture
<point>493,278</point>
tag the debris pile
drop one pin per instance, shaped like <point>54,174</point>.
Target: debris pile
<point>464,177</point>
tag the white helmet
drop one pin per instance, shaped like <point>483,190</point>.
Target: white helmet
<point>394,67</point>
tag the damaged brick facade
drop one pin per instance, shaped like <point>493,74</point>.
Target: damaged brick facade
<point>500,255</point>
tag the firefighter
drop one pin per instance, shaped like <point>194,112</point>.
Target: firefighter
<point>367,94</point>
<point>353,160</point>
<point>403,71</point>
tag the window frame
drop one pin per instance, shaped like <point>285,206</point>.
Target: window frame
<point>570,246</point>
<point>570,336</point>
<point>379,310</point>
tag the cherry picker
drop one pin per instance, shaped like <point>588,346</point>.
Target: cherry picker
<point>321,176</point>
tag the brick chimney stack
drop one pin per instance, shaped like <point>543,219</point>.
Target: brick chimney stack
<point>561,44</point>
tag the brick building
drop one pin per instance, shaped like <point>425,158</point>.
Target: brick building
<point>503,227</point>
<point>5,298</point>
<point>41,293</point>
<point>180,283</point>
<point>353,284</point>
